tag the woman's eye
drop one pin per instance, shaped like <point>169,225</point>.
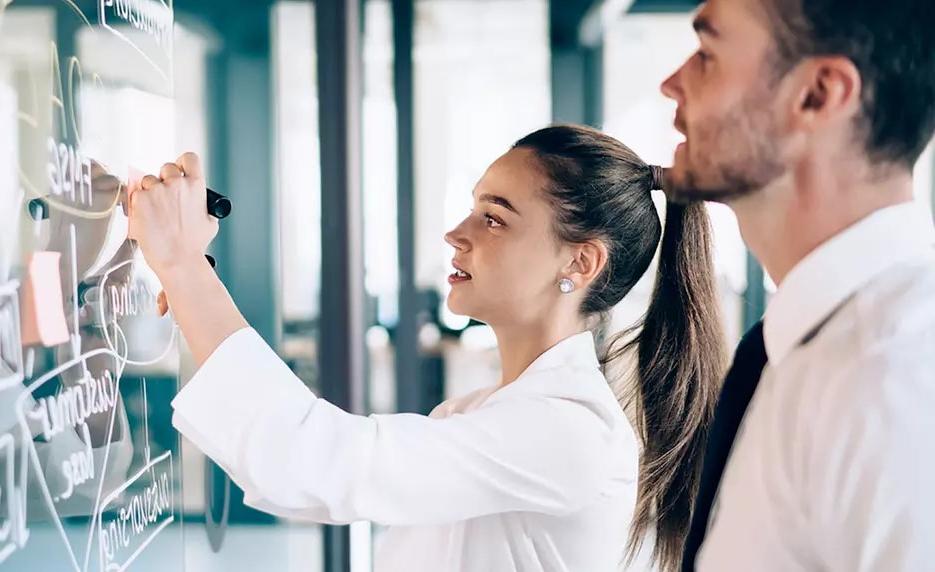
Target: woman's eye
<point>703,56</point>
<point>492,222</point>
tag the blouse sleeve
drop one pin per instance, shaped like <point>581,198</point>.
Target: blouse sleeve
<point>295,454</point>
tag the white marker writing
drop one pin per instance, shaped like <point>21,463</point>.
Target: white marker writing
<point>145,508</point>
<point>73,405</point>
<point>131,300</point>
<point>79,466</point>
<point>69,173</point>
<point>154,18</point>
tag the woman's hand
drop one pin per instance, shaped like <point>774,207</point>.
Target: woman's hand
<point>169,217</point>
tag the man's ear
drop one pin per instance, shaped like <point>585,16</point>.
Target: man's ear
<point>829,92</point>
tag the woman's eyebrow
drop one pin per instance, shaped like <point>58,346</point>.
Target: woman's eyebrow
<point>498,200</point>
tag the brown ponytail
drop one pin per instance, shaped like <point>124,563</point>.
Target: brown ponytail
<point>681,357</point>
<point>600,189</point>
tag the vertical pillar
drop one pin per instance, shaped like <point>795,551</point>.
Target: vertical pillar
<point>409,388</point>
<point>341,337</point>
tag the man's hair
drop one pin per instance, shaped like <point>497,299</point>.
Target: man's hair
<point>891,43</point>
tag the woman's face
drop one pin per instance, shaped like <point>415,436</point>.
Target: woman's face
<point>507,261</point>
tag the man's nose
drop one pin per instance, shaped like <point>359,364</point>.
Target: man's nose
<point>672,87</point>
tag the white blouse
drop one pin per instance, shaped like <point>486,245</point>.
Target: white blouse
<point>539,475</point>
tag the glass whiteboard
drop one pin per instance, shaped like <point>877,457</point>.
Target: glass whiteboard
<point>89,462</point>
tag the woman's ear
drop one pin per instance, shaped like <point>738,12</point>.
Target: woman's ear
<point>588,261</point>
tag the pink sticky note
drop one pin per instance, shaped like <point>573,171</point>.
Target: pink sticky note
<point>42,314</point>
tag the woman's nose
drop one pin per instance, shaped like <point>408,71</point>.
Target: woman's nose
<point>457,238</point>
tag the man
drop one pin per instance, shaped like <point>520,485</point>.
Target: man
<point>806,117</point>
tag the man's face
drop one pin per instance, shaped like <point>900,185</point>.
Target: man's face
<point>727,106</point>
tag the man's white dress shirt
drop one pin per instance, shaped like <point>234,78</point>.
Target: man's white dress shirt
<point>539,475</point>
<point>833,468</point>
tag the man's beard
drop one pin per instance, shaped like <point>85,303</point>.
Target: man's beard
<point>744,157</point>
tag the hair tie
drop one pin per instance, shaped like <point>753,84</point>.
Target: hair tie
<point>657,173</point>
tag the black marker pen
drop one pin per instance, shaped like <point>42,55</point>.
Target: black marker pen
<point>218,206</point>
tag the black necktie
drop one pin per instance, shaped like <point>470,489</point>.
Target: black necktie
<point>739,386</point>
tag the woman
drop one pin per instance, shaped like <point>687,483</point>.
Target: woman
<point>537,472</point>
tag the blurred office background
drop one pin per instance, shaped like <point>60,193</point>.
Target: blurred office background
<point>349,135</point>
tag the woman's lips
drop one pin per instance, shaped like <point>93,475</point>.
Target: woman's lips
<point>458,276</point>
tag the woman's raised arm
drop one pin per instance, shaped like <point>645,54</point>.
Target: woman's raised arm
<point>169,220</point>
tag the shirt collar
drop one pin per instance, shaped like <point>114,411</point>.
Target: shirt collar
<point>834,271</point>
<point>575,350</point>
